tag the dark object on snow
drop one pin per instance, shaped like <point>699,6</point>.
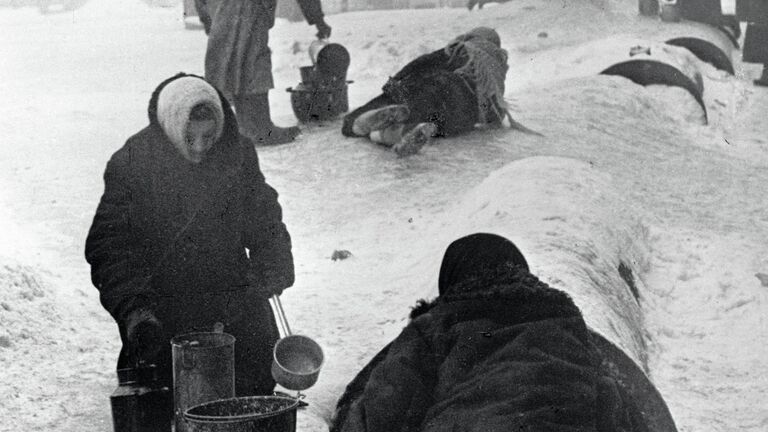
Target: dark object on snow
<point>625,272</point>
<point>203,371</point>
<point>140,403</point>
<point>170,236</point>
<point>497,350</point>
<point>244,414</point>
<point>339,255</point>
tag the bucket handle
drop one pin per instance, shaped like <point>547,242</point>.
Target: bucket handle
<point>278,306</point>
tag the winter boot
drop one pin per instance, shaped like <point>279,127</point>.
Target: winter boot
<point>380,118</point>
<point>255,121</point>
<point>415,139</point>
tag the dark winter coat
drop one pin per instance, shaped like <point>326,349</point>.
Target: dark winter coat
<point>171,236</point>
<point>238,59</point>
<point>501,352</point>
<point>432,92</point>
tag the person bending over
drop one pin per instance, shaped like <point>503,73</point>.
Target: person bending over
<point>497,350</point>
<point>444,93</point>
<point>188,234</point>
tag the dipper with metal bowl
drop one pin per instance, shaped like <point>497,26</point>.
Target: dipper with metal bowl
<point>296,359</point>
<point>296,365</point>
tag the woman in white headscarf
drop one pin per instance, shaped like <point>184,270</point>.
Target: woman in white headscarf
<point>183,200</point>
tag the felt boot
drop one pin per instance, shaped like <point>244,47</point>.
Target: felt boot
<point>379,119</point>
<point>415,139</point>
<point>255,121</point>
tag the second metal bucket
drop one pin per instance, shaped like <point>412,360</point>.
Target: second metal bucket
<point>203,370</point>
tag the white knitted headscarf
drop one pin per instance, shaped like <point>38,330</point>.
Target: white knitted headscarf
<point>175,103</point>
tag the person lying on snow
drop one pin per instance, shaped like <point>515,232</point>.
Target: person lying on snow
<point>444,93</point>
<point>188,234</point>
<point>497,350</point>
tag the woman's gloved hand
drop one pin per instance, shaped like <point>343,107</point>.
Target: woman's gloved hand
<point>145,336</point>
<point>323,29</point>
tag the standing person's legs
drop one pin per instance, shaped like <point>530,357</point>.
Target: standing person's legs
<point>238,62</point>
<point>252,101</point>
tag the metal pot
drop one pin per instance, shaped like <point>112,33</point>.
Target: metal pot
<point>319,102</point>
<point>244,414</point>
<point>296,359</point>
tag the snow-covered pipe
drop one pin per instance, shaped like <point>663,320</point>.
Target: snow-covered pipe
<point>580,235</point>
<point>706,51</point>
<point>706,42</point>
<point>660,63</point>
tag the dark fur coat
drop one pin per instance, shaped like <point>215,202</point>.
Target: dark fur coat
<point>502,352</point>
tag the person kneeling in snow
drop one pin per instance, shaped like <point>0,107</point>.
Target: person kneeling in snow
<point>444,93</point>
<point>497,350</point>
<point>183,200</point>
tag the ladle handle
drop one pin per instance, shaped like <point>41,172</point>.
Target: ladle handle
<point>281,315</point>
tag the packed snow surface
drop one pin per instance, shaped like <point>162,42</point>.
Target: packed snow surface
<point>623,174</point>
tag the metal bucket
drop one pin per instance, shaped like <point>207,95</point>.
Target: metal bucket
<point>331,59</point>
<point>296,359</point>
<point>244,414</point>
<point>317,103</point>
<point>203,370</point>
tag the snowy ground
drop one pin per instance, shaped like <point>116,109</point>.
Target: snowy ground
<point>629,175</point>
